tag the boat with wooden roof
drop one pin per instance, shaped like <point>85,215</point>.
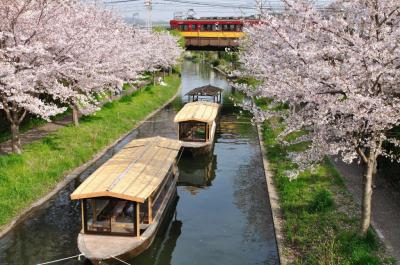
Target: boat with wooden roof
<point>205,93</point>
<point>197,125</point>
<point>124,201</point>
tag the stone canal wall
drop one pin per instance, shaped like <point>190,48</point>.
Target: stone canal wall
<point>283,251</point>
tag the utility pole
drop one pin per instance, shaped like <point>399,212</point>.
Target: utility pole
<point>134,15</point>
<point>259,8</point>
<point>148,4</point>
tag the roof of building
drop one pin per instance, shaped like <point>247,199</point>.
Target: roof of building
<point>201,111</point>
<point>134,173</point>
<point>207,90</point>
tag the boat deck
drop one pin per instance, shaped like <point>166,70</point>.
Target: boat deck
<point>103,247</point>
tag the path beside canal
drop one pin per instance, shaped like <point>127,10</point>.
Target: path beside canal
<point>385,204</point>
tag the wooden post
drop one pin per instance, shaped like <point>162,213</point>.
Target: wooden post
<point>94,211</point>
<point>150,209</point>
<point>137,219</point>
<point>83,215</point>
<point>205,130</point>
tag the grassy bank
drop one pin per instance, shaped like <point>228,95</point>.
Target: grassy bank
<point>321,219</point>
<point>27,177</point>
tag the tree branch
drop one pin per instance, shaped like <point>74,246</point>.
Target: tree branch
<point>22,117</point>
<point>332,92</point>
<point>362,155</point>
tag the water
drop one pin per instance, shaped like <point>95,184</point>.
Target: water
<point>222,214</point>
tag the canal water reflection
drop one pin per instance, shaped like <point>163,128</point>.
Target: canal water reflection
<point>221,214</point>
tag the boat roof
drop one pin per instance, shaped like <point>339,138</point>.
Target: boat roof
<point>134,173</point>
<point>201,111</point>
<point>207,90</point>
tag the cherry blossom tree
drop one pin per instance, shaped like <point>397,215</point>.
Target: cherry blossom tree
<point>338,70</point>
<point>104,55</point>
<point>63,53</point>
<point>84,56</point>
<point>23,60</point>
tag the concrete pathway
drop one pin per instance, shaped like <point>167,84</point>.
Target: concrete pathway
<point>385,205</point>
<point>37,133</point>
<point>41,131</point>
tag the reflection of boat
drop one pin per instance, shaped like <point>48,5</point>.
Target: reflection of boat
<point>174,231</point>
<point>163,246</point>
<point>199,173</point>
<point>124,201</point>
<point>197,125</point>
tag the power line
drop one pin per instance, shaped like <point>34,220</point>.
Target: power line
<point>208,4</point>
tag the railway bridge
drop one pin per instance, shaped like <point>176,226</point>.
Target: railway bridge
<point>212,33</point>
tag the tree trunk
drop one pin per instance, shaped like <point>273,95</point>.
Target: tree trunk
<point>367,195</point>
<point>15,139</point>
<point>75,115</point>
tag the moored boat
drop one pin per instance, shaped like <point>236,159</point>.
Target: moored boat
<point>205,93</point>
<point>197,125</point>
<point>124,201</point>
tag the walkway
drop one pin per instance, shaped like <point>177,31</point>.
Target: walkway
<point>385,205</point>
<point>39,132</point>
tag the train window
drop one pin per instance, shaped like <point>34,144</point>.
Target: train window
<point>193,27</point>
<point>184,27</point>
<point>231,27</point>
<point>207,27</point>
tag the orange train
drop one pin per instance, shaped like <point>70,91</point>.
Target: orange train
<point>212,32</point>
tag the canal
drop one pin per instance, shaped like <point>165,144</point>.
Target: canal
<point>222,215</point>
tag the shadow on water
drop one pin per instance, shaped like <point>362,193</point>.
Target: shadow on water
<point>223,212</point>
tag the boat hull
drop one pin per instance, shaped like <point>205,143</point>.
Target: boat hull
<point>198,150</point>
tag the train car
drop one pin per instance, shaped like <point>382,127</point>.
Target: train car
<point>213,33</point>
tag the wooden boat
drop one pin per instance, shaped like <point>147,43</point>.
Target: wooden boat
<point>205,93</point>
<point>124,201</point>
<point>197,125</point>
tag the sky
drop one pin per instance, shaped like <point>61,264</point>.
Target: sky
<point>164,10</point>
